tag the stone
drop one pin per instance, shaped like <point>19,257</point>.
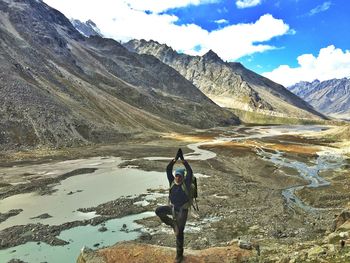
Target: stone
<point>344,235</point>
<point>146,236</point>
<point>341,219</point>
<point>330,238</point>
<point>331,249</point>
<point>254,228</point>
<point>316,251</point>
<point>245,244</point>
<point>102,229</point>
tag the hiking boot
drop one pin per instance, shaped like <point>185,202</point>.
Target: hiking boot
<point>179,258</point>
<point>179,254</point>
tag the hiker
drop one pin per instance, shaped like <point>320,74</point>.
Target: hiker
<point>179,202</point>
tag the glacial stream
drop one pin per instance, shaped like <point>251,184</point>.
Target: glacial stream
<point>110,182</point>
<point>325,161</point>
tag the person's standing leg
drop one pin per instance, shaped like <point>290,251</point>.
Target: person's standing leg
<point>181,218</point>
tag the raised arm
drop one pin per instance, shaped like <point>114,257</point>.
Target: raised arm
<point>169,171</point>
<point>189,173</point>
<point>187,166</point>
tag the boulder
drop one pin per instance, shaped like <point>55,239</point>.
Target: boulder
<point>245,244</point>
<point>342,219</point>
<point>88,255</point>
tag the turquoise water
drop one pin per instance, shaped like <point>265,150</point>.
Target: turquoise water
<point>107,183</point>
<point>77,237</point>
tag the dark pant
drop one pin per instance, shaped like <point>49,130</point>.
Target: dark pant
<point>180,219</point>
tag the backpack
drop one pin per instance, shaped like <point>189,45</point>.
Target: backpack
<point>192,194</point>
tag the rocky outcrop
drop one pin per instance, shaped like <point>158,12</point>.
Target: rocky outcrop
<point>59,88</point>
<point>342,220</point>
<point>331,97</point>
<point>140,253</point>
<point>229,84</point>
<point>88,255</point>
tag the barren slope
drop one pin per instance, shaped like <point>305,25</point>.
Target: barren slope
<point>229,84</point>
<point>61,89</point>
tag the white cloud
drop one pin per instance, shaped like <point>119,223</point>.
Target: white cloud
<point>247,3</point>
<point>330,63</point>
<point>235,41</point>
<point>221,21</point>
<point>291,32</point>
<point>158,6</point>
<point>116,19</point>
<point>320,8</point>
<point>85,9</point>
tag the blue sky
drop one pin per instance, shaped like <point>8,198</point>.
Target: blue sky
<point>285,40</point>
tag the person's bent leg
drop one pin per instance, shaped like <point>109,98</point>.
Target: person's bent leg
<point>162,212</point>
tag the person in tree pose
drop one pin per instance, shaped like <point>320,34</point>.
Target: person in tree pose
<point>179,200</point>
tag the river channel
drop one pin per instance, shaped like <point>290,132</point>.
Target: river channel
<point>110,182</point>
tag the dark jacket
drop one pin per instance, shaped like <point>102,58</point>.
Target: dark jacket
<point>177,195</point>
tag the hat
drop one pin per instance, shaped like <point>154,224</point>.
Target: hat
<point>180,171</point>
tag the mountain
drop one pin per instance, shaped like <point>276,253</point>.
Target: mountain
<point>331,97</point>
<point>87,28</point>
<point>59,88</point>
<point>229,84</point>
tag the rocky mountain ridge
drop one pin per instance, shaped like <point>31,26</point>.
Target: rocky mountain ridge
<point>331,97</point>
<point>60,88</point>
<point>229,84</point>
<point>87,28</point>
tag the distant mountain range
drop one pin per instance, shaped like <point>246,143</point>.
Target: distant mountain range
<point>59,88</point>
<point>87,28</point>
<point>331,97</point>
<point>229,84</point>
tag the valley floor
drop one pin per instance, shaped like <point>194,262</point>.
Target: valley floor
<point>251,187</point>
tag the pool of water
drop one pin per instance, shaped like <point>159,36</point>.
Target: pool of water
<point>78,237</point>
<point>107,183</point>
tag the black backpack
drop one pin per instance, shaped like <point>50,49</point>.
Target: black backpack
<point>192,194</point>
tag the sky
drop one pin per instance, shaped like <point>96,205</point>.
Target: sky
<point>285,40</point>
